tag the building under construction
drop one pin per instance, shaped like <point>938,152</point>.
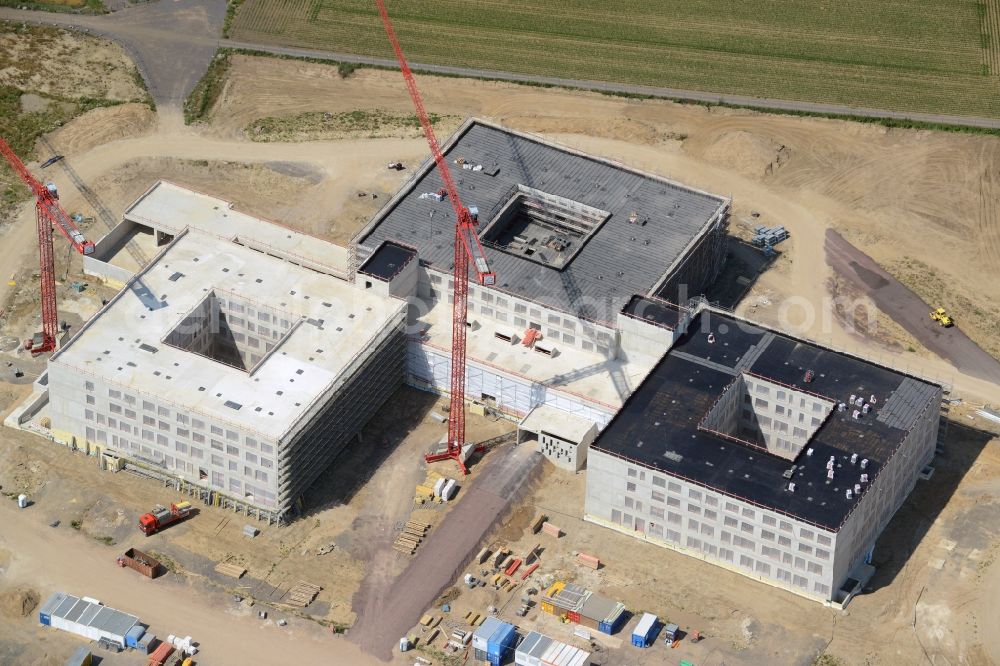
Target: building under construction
<point>228,370</point>
<point>582,248</point>
<point>765,454</point>
<point>241,356</point>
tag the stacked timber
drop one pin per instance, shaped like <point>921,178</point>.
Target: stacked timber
<point>411,536</point>
<point>302,594</point>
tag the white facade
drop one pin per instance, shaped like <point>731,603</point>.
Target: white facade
<point>759,542</point>
<point>229,370</point>
<point>562,437</point>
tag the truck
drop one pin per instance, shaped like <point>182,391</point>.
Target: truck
<point>145,564</point>
<point>160,517</point>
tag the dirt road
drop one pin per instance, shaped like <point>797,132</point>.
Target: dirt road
<point>438,562</point>
<point>59,559</point>
<point>908,310</point>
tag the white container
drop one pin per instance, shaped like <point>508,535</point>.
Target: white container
<point>22,501</point>
<point>439,486</point>
<point>449,490</point>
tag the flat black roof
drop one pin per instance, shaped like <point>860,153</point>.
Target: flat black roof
<point>654,311</point>
<point>388,260</point>
<point>658,425</point>
<point>619,259</point>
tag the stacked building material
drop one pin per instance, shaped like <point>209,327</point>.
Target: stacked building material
<point>768,236</point>
<point>551,529</point>
<point>411,536</point>
<point>588,561</point>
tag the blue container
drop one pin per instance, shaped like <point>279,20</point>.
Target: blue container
<point>133,635</point>
<point>612,625</point>
<point>644,633</point>
<point>500,644</point>
<point>45,619</point>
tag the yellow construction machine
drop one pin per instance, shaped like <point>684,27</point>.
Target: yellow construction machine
<point>940,316</point>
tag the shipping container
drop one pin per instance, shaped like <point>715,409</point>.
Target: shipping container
<point>139,561</point>
<point>645,632</point>
<point>146,644</point>
<point>501,644</point>
<point>160,654</point>
<point>133,636</point>
<point>481,636</point>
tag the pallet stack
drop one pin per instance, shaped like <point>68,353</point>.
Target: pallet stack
<point>302,594</point>
<point>425,491</point>
<point>232,570</point>
<point>411,536</point>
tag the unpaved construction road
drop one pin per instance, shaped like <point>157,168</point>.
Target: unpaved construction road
<point>908,310</point>
<point>59,559</point>
<point>384,618</point>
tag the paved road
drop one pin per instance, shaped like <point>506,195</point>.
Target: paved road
<point>440,559</point>
<point>173,45</point>
<point>908,310</point>
<point>170,42</point>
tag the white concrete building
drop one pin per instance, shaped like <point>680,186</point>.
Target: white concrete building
<point>235,372</point>
<point>562,437</point>
<point>767,455</point>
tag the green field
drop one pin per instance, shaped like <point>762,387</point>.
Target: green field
<point>935,56</point>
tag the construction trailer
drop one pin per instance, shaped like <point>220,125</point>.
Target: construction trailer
<point>493,641</point>
<point>644,633</point>
<point>86,617</point>
<point>540,650</point>
<point>584,607</point>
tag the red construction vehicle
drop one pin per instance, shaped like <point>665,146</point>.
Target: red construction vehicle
<point>161,516</point>
<point>48,214</point>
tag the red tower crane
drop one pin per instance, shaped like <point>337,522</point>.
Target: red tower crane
<point>467,248</point>
<point>49,214</point>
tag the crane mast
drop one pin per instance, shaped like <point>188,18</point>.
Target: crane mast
<point>48,214</point>
<point>467,249</point>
